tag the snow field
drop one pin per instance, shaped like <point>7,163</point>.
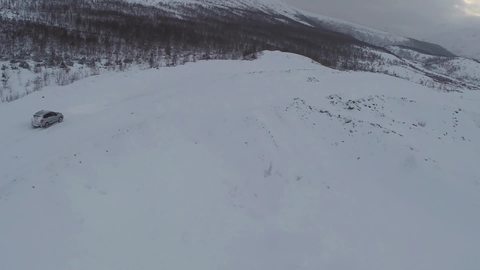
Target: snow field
<point>277,163</point>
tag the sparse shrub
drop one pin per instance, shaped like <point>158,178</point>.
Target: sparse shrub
<point>24,65</point>
<point>37,83</point>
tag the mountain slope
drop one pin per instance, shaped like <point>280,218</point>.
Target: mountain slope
<point>48,42</point>
<point>278,7</point>
<point>277,163</point>
<point>463,69</point>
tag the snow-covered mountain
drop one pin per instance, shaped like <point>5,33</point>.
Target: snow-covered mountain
<point>60,41</point>
<point>211,149</point>
<point>274,5</point>
<point>277,163</point>
<point>278,7</point>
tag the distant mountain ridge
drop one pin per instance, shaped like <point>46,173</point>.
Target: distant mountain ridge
<point>461,41</point>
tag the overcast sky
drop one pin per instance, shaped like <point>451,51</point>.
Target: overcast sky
<point>415,18</point>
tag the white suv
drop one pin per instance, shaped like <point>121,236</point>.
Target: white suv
<point>45,119</point>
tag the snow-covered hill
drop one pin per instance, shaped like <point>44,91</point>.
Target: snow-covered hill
<point>462,69</point>
<point>60,41</point>
<point>214,3</point>
<point>277,163</point>
<point>279,7</point>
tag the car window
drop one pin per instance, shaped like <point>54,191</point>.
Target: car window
<point>47,115</point>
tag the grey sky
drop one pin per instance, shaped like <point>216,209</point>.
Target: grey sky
<point>415,18</point>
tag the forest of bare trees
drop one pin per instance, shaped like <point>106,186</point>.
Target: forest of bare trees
<point>115,34</point>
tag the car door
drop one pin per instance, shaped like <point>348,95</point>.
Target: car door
<point>54,118</point>
<point>49,118</point>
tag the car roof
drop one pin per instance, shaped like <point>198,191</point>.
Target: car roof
<point>42,112</point>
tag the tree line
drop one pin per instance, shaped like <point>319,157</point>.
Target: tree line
<point>115,33</point>
<point>54,30</point>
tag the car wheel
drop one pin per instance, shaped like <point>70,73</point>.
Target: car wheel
<point>60,119</point>
<point>46,125</point>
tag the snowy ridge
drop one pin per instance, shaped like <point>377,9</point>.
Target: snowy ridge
<point>268,6</point>
<point>463,69</point>
<point>278,7</point>
<point>277,163</point>
<point>361,32</point>
<point>266,14</point>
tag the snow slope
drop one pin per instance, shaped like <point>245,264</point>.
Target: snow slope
<point>217,3</point>
<point>463,69</point>
<point>278,7</point>
<point>277,163</point>
<point>271,7</point>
